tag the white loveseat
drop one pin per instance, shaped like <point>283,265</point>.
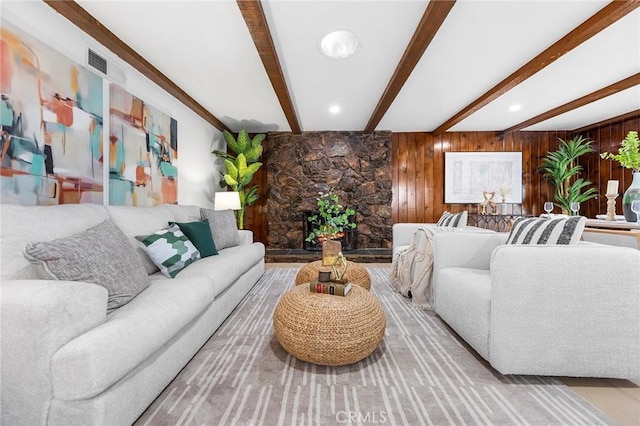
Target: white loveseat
<point>563,310</point>
<point>64,360</point>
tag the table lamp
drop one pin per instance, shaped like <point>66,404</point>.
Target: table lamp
<point>228,200</point>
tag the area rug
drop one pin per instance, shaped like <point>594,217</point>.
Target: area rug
<point>421,374</point>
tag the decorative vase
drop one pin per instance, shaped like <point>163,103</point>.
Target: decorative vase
<point>632,193</point>
<point>330,250</point>
<point>503,208</point>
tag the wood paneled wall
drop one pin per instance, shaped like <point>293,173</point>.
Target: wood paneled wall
<point>607,137</point>
<point>418,170</point>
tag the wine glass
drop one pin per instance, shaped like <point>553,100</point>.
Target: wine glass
<point>635,207</point>
<point>548,207</point>
<point>575,207</point>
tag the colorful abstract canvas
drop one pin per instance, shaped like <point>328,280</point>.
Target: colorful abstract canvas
<point>50,124</point>
<point>143,149</point>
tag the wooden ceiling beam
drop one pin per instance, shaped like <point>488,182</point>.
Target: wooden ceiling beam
<point>612,89</point>
<point>592,26</point>
<point>432,19</point>
<point>90,25</point>
<point>256,21</point>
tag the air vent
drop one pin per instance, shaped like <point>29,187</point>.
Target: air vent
<point>97,61</point>
<point>105,68</point>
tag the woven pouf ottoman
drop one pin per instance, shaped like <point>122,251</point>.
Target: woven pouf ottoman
<point>329,330</point>
<point>356,274</point>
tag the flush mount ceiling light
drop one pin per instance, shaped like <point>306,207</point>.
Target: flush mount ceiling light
<point>334,109</point>
<point>515,107</point>
<point>339,44</point>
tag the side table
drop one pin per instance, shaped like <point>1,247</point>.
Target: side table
<point>356,274</point>
<point>329,330</point>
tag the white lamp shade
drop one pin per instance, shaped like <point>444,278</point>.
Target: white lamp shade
<point>226,201</point>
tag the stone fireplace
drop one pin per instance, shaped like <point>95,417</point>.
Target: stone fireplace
<point>357,165</point>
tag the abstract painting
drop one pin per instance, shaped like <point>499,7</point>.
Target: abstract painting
<point>50,125</point>
<point>468,174</point>
<point>143,149</point>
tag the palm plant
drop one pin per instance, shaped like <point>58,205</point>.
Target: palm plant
<point>562,170</point>
<point>240,168</point>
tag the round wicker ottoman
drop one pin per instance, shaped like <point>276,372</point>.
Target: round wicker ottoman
<point>329,330</point>
<point>356,274</point>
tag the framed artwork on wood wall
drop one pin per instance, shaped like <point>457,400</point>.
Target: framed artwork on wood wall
<point>468,174</point>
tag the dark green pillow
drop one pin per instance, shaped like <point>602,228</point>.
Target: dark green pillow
<point>200,235</point>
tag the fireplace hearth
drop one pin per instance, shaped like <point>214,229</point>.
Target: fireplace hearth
<point>348,240</point>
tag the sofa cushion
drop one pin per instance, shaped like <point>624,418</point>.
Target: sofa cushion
<point>227,267</point>
<point>464,302</point>
<point>20,224</point>
<point>199,234</point>
<point>101,255</point>
<point>453,220</point>
<point>94,361</point>
<point>169,249</point>
<point>223,227</point>
<point>546,231</point>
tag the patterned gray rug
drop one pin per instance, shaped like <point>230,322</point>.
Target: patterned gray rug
<point>420,375</point>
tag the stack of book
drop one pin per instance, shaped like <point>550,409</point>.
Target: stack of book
<point>330,288</point>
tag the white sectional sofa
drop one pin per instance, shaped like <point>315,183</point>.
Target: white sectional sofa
<point>558,310</point>
<point>64,360</point>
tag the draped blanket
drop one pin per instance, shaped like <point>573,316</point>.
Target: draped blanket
<point>412,269</point>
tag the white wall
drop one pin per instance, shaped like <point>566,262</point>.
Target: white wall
<point>198,174</point>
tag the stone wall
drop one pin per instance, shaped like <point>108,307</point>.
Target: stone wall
<point>357,165</point>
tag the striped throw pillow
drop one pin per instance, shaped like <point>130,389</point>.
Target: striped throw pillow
<point>453,220</point>
<point>546,231</point>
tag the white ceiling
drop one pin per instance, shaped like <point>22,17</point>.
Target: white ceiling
<point>206,49</point>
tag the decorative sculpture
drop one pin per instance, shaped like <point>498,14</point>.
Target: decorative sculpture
<point>488,200</point>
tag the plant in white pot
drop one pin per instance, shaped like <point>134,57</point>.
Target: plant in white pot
<point>629,157</point>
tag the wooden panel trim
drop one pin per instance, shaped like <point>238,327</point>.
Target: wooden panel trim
<point>619,118</point>
<point>90,25</point>
<point>256,21</point>
<point>577,103</point>
<point>433,17</point>
<point>592,26</point>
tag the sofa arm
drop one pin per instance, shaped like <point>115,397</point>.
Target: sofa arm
<point>37,317</point>
<point>246,237</point>
<point>566,310</point>
<point>402,233</point>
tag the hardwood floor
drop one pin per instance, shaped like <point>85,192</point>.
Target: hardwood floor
<point>619,399</point>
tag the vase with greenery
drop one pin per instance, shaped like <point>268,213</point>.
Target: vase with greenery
<point>629,157</point>
<point>240,168</point>
<point>562,170</point>
<point>329,225</point>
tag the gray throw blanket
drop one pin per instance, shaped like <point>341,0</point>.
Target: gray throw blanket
<point>412,269</point>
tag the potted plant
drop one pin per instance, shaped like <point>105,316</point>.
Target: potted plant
<point>562,170</point>
<point>629,157</point>
<point>329,225</point>
<point>240,168</point>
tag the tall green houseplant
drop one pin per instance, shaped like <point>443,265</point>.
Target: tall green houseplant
<point>562,170</point>
<point>240,168</point>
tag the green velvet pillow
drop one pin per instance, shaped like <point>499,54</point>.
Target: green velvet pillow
<point>200,235</point>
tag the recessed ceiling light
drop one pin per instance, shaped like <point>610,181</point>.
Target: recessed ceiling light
<point>340,44</point>
<point>514,107</point>
<point>334,109</point>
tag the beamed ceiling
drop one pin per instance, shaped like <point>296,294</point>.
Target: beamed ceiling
<point>433,66</point>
